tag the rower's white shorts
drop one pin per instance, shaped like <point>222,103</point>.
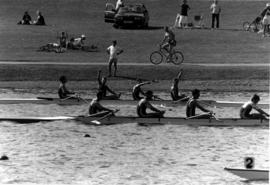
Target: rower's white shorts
<point>183,19</point>
<point>266,20</point>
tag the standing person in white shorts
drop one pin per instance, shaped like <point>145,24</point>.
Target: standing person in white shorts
<point>266,19</point>
<point>183,16</point>
<point>113,51</point>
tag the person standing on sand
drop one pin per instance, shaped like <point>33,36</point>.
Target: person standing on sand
<point>193,103</point>
<point>113,51</point>
<point>215,11</point>
<point>144,104</point>
<point>249,106</point>
<point>182,18</point>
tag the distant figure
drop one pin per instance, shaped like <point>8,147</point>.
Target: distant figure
<point>113,51</point>
<point>63,40</point>
<point>215,11</point>
<point>182,18</point>
<point>77,43</point>
<point>175,90</point>
<point>245,111</point>
<point>40,19</point>
<point>193,103</point>
<point>26,19</point>
<point>95,106</point>
<point>63,93</point>
<point>119,4</point>
<point>103,88</point>
<point>168,42</point>
<point>136,91</point>
<point>144,104</point>
<point>266,19</point>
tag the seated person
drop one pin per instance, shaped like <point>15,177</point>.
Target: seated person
<point>245,111</point>
<point>144,104</point>
<point>62,91</point>
<point>95,106</point>
<point>26,19</point>
<point>40,19</point>
<point>63,40</point>
<point>175,90</point>
<point>193,103</point>
<point>77,43</point>
<point>136,91</point>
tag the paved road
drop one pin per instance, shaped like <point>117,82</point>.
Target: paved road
<point>124,64</point>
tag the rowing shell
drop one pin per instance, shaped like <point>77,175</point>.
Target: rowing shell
<point>146,121</point>
<point>167,103</point>
<point>250,174</point>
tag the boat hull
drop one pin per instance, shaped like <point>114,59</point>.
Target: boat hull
<point>250,174</point>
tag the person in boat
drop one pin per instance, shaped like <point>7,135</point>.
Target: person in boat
<point>26,19</point>
<point>175,90</point>
<point>136,91</point>
<point>245,111</point>
<point>40,19</point>
<point>103,88</point>
<point>63,93</point>
<point>144,104</point>
<point>95,106</point>
<point>193,103</point>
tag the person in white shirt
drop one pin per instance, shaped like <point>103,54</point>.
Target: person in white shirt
<point>215,11</point>
<point>113,51</point>
<point>119,4</point>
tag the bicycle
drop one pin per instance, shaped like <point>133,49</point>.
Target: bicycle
<point>156,57</point>
<point>254,26</point>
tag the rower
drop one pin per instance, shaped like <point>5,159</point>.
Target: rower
<point>144,104</point>
<point>63,93</point>
<point>175,90</point>
<point>103,88</point>
<point>136,91</point>
<point>248,106</point>
<point>95,106</point>
<point>193,103</point>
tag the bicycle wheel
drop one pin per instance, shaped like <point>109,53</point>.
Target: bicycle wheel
<point>156,57</point>
<point>177,58</point>
<point>246,26</point>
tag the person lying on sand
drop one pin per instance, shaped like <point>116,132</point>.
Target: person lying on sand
<point>77,43</point>
<point>103,88</point>
<point>26,19</point>
<point>193,103</point>
<point>245,111</point>
<point>144,104</point>
<point>95,106</point>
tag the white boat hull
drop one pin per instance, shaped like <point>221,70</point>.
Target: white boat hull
<point>250,174</point>
<point>146,121</point>
<point>166,103</point>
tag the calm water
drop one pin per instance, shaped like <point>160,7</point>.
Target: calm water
<point>58,153</point>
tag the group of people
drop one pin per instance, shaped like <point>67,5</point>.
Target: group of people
<point>181,20</point>
<point>27,20</point>
<point>144,100</point>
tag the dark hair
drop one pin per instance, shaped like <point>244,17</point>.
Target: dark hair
<point>255,98</point>
<point>150,93</point>
<point>62,79</point>
<point>195,92</point>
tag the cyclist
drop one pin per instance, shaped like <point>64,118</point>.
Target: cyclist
<point>169,41</point>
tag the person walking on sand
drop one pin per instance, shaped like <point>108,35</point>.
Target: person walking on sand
<point>215,11</point>
<point>144,104</point>
<point>103,88</point>
<point>245,111</point>
<point>113,51</point>
<point>193,103</point>
<point>175,90</point>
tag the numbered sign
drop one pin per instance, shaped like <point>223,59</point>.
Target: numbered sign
<point>249,162</point>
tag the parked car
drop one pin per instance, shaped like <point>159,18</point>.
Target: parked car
<point>129,15</point>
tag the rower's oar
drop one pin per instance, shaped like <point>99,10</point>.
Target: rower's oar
<point>97,121</point>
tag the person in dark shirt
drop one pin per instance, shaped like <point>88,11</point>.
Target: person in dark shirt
<point>40,19</point>
<point>193,103</point>
<point>26,19</point>
<point>183,19</point>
